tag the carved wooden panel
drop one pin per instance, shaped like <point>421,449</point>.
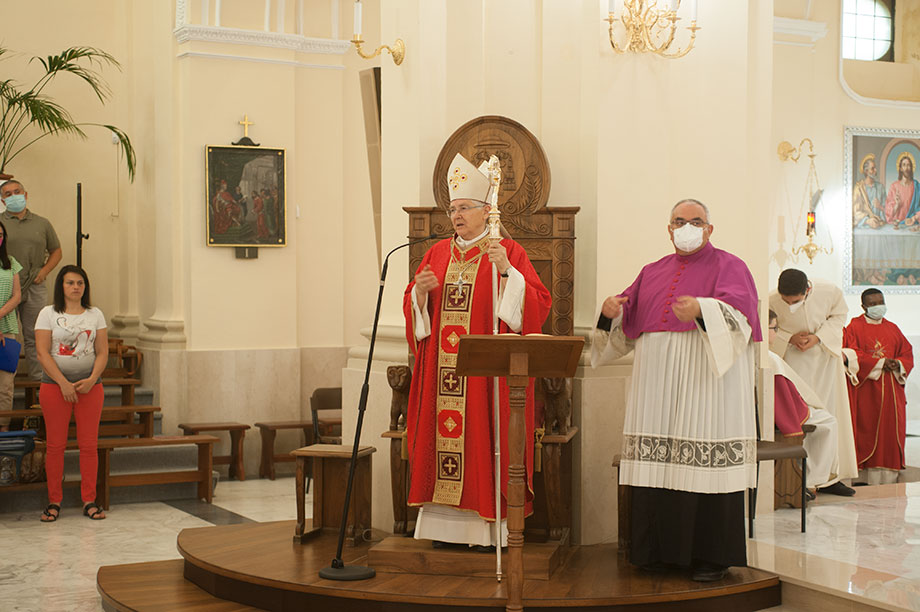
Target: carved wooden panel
<point>547,233</point>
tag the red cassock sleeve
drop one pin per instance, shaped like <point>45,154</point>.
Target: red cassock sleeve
<point>905,352</point>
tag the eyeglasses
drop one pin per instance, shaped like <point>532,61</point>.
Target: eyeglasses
<point>676,223</point>
<point>451,211</point>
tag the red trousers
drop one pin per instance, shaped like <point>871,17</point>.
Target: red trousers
<point>87,410</point>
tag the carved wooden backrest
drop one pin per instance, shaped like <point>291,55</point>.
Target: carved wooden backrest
<point>547,233</point>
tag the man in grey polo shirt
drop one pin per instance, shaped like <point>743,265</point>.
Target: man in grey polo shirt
<point>35,245</point>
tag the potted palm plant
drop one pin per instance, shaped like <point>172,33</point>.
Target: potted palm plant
<point>28,115</point>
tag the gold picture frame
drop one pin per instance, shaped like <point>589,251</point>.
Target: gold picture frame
<point>246,203</point>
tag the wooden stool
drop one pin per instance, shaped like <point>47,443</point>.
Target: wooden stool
<point>268,431</point>
<point>330,471</point>
<point>237,432</point>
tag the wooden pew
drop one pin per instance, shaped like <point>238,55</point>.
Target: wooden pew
<point>105,480</point>
<point>127,384</point>
<point>115,421</point>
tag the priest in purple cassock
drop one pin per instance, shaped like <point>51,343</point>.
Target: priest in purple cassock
<point>689,447</point>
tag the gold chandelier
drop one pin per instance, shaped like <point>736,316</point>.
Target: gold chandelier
<point>649,29</point>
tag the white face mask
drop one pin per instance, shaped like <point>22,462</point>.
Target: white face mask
<point>876,313</point>
<point>688,238</point>
<point>796,306</point>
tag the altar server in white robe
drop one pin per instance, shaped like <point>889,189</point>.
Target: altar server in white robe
<point>795,405</point>
<point>811,317</point>
<point>689,448</point>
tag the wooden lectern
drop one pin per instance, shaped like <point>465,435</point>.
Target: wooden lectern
<point>518,359</point>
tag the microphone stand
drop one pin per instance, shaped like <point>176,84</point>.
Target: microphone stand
<point>338,570</point>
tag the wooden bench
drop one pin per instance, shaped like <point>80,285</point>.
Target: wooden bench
<point>127,384</point>
<point>115,421</point>
<point>105,480</point>
<point>269,429</point>
<point>237,433</point>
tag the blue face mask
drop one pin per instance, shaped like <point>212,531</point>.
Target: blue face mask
<point>876,312</point>
<point>15,203</point>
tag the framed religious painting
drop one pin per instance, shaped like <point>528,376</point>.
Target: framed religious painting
<point>245,197</point>
<point>883,212</point>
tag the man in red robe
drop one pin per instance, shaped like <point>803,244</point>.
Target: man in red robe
<point>878,359</point>
<point>450,437</point>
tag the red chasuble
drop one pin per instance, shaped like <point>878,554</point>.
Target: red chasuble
<point>878,407</point>
<point>451,459</point>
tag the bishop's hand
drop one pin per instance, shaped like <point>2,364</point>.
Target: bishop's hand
<point>687,308</point>
<point>425,281</point>
<point>892,365</point>
<point>499,256</point>
<point>613,306</point>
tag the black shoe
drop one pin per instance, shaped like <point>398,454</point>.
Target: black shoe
<point>446,545</point>
<point>709,572</point>
<point>482,549</point>
<point>809,495</point>
<point>838,488</point>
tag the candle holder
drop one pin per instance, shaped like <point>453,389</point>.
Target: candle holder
<point>786,152</point>
<point>398,50</point>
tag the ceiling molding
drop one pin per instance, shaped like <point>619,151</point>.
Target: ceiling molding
<point>804,30</point>
<point>236,36</point>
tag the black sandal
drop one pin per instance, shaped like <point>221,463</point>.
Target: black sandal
<point>93,511</point>
<point>47,513</point>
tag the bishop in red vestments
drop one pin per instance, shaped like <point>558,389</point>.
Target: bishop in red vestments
<point>879,358</point>
<point>450,437</point>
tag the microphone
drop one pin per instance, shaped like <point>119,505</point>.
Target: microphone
<point>386,260</point>
<point>337,570</point>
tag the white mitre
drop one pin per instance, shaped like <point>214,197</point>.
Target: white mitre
<point>466,182</point>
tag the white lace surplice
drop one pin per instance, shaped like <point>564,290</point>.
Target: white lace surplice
<point>690,413</point>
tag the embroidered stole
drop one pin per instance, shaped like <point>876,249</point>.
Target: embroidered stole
<point>456,304</point>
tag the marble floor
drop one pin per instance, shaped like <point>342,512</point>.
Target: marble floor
<point>865,548</point>
<point>52,567</point>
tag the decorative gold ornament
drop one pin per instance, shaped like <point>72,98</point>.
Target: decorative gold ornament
<point>810,199</point>
<point>398,50</point>
<point>649,29</point>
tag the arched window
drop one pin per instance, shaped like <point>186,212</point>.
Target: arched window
<point>867,30</point>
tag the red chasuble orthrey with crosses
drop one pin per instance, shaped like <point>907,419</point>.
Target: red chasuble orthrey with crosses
<point>450,419</point>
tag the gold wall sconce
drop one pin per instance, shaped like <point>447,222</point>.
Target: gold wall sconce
<point>398,50</point>
<point>649,29</point>
<point>810,199</point>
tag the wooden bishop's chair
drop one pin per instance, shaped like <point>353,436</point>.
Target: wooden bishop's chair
<point>326,409</point>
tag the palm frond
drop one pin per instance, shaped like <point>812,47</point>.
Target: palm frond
<point>31,111</point>
<point>68,61</point>
<point>127,149</point>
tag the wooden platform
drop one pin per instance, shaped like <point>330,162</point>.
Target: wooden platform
<point>258,564</point>
<point>409,556</point>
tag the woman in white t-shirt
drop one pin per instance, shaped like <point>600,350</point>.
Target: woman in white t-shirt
<point>73,346</point>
